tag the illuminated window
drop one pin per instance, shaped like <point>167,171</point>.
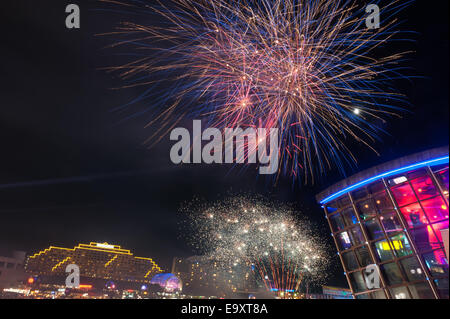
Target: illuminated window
<point>414,216</point>
<point>397,180</point>
<point>384,251</point>
<point>404,195</point>
<point>344,241</point>
<point>436,209</point>
<point>391,223</point>
<point>438,228</point>
<point>412,269</point>
<point>383,202</point>
<point>400,293</point>
<point>401,245</point>
<point>366,209</point>
<point>437,263</point>
<point>424,187</point>
<point>357,236</point>
<point>417,173</point>
<point>424,238</point>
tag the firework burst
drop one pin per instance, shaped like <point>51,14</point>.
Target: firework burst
<point>250,232</point>
<point>310,68</point>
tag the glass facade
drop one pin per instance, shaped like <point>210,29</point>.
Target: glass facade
<point>395,222</point>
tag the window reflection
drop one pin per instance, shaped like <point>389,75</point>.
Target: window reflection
<point>350,261</point>
<point>414,215</point>
<point>400,244</point>
<point>343,201</point>
<point>424,238</point>
<point>383,202</point>
<point>384,251</point>
<point>349,217</point>
<point>344,241</point>
<point>391,223</point>
<point>337,223</point>
<point>404,194</point>
<point>400,293</point>
<point>436,262</point>
<point>438,230</point>
<point>357,281</point>
<point>424,208</point>
<point>436,209</point>
<point>417,173</point>
<point>442,286</point>
<point>421,291</point>
<point>412,269</point>
<point>331,210</point>
<point>424,187</point>
<point>392,274</point>
<point>357,236</point>
<point>374,229</point>
<point>363,256</point>
<point>379,294</point>
<point>366,209</point>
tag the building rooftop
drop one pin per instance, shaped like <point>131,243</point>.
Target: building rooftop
<point>435,156</point>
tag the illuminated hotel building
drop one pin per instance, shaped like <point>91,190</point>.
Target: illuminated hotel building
<point>96,261</point>
<point>395,216</point>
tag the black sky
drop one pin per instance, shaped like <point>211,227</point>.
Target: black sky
<point>56,123</point>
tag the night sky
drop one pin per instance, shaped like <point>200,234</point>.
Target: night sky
<point>72,170</point>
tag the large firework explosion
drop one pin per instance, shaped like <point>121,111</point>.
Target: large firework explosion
<point>249,232</point>
<point>311,68</point>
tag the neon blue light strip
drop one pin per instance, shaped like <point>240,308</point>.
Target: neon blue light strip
<point>433,162</point>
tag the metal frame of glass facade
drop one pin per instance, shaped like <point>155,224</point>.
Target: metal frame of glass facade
<point>394,221</point>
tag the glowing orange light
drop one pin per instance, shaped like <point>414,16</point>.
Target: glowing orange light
<point>444,207</point>
<point>85,287</point>
<point>31,280</point>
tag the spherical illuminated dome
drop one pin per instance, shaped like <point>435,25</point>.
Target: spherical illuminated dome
<point>168,282</point>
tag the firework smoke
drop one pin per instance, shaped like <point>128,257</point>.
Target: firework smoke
<point>267,238</point>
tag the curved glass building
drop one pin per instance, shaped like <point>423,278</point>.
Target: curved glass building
<point>390,226</point>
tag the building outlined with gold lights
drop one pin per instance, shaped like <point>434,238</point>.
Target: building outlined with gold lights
<point>96,261</point>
